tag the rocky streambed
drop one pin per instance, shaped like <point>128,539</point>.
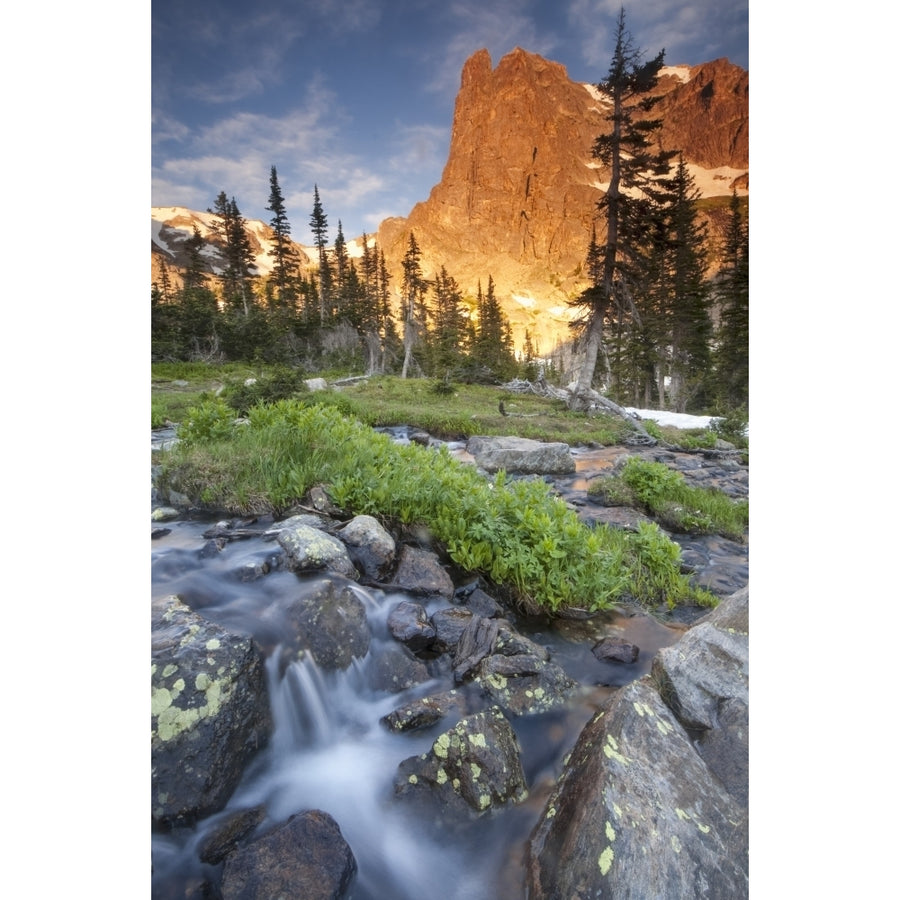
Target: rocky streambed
<point>336,712</point>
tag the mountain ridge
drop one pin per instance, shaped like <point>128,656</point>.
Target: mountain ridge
<point>517,197</point>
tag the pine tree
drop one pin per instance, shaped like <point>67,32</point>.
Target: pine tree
<point>414,286</point>
<point>690,327</point>
<point>733,294</point>
<point>634,164</point>
<point>492,346</point>
<point>239,268</point>
<point>198,335</point>
<point>284,269</point>
<point>318,224</point>
<point>387,326</point>
<point>448,322</point>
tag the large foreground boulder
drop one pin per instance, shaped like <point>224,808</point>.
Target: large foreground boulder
<point>209,712</point>
<point>653,800</point>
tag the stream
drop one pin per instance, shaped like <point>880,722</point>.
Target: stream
<point>330,751</point>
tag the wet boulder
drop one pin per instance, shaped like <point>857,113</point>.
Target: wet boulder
<point>511,669</point>
<point>424,712</point>
<point>705,680</point>
<point>638,813</point>
<point>475,766</point>
<point>305,857</point>
<point>371,546</point>
<point>655,791</point>
<point>229,833</point>
<point>521,456</point>
<point>395,668</point>
<point>326,619</point>
<point>309,549</point>
<point>209,712</point>
<point>408,623</point>
<point>449,624</point>
<point>420,572</point>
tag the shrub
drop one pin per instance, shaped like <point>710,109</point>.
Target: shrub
<point>278,383</point>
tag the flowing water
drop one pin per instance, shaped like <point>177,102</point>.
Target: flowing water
<point>330,751</point>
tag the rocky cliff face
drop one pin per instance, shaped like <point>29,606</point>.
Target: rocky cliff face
<point>517,198</point>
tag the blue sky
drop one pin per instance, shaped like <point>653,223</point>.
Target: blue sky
<point>357,96</point>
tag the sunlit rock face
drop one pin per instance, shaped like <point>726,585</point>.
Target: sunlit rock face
<point>518,195</point>
<point>517,198</point>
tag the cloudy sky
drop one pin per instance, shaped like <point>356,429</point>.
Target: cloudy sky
<point>356,96</point>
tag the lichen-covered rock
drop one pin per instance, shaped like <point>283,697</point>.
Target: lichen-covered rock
<point>309,550</point>
<point>705,680</point>
<point>305,857</point>
<point>209,712</point>
<point>475,766</point>
<point>638,814</point>
<point>371,546</point>
<point>521,456</point>
<point>524,684</point>
<point>327,619</point>
<point>424,712</point>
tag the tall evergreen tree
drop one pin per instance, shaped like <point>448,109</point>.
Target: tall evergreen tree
<point>493,347</point>
<point>318,223</point>
<point>414,286</point>
<point>284,269</point>
<point>448,323</point>
<point>732,357</point>
<point>690,327</point>
<point>634,163</point>
<point>239,267</point>
<point>387,326</point>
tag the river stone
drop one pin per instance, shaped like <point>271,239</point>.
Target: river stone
<point>613,649</point>
<point>476,765</point>
<point>424,712</point>
<point>209,712</point>
<point>309,549</point>
<point>420,572</point>
<point>305,857</point>
<point>408,623</point>
<point>449,624</point>
<point>521,456</point>
<point>637,814</point>
<point>327,619</point>
<point>525,684</point>
<point>395,669</point>
<point>370,545</point>
<point>229,833</point>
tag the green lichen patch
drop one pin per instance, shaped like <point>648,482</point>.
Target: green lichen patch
<point>605,861</point>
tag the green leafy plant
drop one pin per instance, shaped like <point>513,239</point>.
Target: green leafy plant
<point>516,533</point>
<point>663,493</point>
<point>209,421</point>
